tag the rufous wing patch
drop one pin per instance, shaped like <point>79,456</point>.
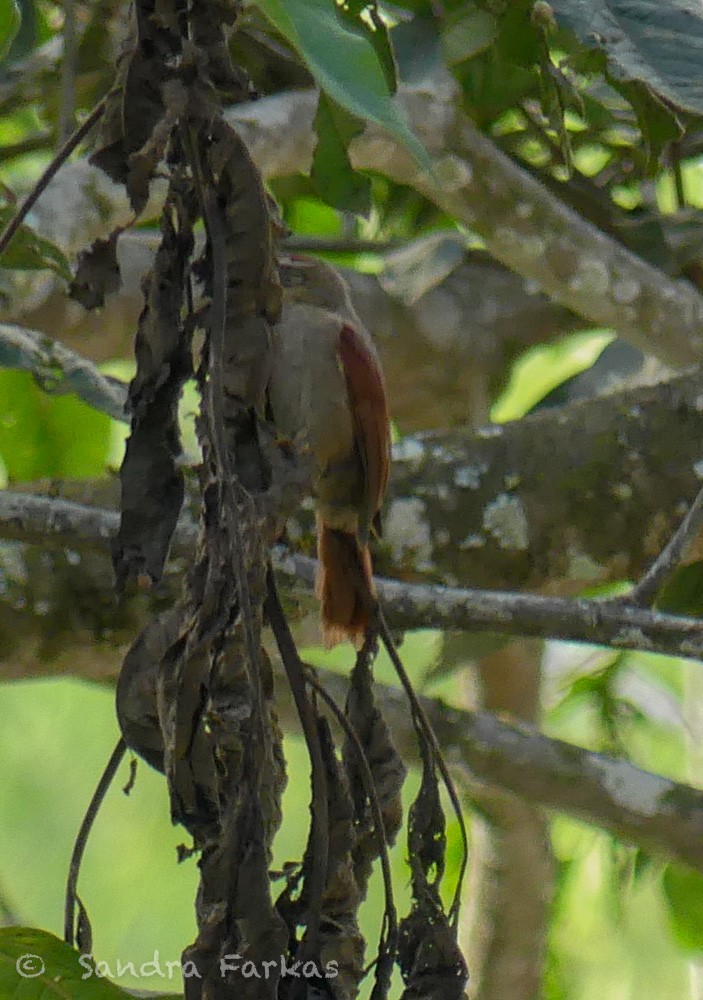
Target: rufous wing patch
<point>369,405</point>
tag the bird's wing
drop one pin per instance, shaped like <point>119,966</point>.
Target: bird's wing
<point>369,405</point>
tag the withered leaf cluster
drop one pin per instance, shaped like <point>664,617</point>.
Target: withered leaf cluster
<point>195,695</point>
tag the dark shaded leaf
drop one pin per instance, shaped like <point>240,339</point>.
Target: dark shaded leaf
<point>386,766</point>
<point>335,179</point>
<point>152,482</point>
<point>683,592</point>
<point>430,961</point>
<point>655,44</point>
<point>428,953</point>
<point>98,273</point>
<point>134,114</point>
<point>10,21</point>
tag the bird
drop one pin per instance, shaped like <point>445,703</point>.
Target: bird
<point>327,393</point>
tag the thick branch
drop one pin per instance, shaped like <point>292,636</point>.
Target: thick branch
<point>636,806</point>
<point>524,225</point>
<point>59,522</point>
<point>481,510</point>
<point>75,640</point>
<point>60,370</point>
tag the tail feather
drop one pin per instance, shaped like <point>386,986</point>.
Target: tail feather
<point>344,585</point>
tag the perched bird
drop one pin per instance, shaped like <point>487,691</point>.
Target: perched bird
<point>327,393</point>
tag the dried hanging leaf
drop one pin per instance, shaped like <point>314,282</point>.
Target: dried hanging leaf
<point>98,273</point>
<point>135,104</point>
<point>385,764</point>
<point>152,482</point>
<point>428,954</point>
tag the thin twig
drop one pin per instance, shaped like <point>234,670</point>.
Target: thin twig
<point>677,172</point>
<point>339,244</point>
<point>82,838</point>
<point>53,168</point>
<point>55,522</point>
<point>428,732</point>
<point>295,672</point>
<point>647,587</point>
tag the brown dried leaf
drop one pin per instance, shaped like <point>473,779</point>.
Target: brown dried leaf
<point>385,764</point>
<point>98,273</point>
<point>152,482</point>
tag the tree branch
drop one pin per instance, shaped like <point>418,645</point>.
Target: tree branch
<point>671,555</point>
<point>655,812</point>
<point>479,510</point>
<point>642,808</point>
<point>524,226</point>
<point>60,370</point>
<point>54,521</point>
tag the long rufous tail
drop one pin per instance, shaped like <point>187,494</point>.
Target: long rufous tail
<point>344,585</point>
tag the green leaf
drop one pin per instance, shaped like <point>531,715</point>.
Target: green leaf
<point>334,178</point>
<point>344,60</point>
<point>46,436</point>
<point>10,20</point>
<point>466,32</point>
<point>35,965</point>
<point>683,592</point>
<point>363,17</point>
<point>645,41</point>
<point>683,892</point>
<point>30,252</point>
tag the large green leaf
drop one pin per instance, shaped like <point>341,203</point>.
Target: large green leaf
<point>657,43</point>
<point>344,60</point>
<point>35,965</point>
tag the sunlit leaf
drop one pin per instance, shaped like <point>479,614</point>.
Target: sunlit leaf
<point>540,370</point>
<point>683,892</point>
<point>344,61</point>
<point>48,436</point>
